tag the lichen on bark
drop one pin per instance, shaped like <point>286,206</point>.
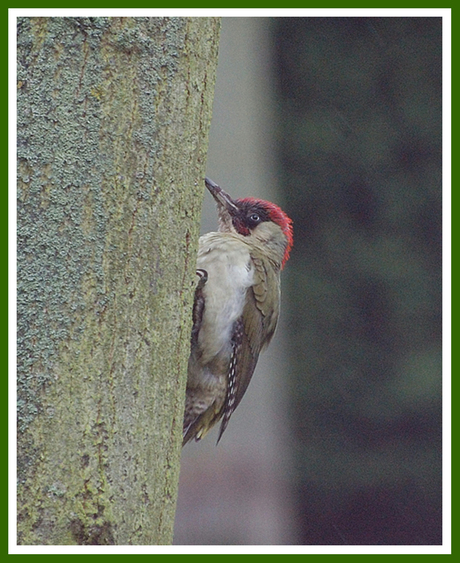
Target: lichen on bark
<point>113,119</point>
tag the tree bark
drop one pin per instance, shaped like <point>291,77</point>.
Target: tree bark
<point>113,119</point>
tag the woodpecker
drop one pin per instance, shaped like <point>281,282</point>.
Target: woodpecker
<point>236,306</point>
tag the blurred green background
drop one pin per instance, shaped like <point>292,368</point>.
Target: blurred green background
<point>338,441</point>
<point>360,139</point>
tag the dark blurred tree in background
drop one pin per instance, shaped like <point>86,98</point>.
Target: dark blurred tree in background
<point>359,102</point>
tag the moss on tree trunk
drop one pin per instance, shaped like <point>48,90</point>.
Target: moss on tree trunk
<point>113,119</point>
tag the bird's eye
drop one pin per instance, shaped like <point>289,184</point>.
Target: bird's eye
<point>254,218</point>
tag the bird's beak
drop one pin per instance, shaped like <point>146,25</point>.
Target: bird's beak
<point>222,198</point>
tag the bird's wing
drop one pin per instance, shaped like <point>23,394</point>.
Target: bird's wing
<point>251,334</point>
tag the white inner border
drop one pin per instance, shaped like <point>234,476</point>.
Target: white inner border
<point>445,14</point>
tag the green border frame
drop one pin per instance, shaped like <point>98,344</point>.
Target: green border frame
<point>101,4</point>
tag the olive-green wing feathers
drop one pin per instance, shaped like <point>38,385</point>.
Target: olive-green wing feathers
<point>252,332</point>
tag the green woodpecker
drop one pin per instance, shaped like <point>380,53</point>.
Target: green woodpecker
<point>236,306</point>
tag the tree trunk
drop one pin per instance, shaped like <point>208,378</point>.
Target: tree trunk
<point>113,119</point>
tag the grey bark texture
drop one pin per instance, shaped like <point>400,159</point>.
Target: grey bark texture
<point>113,120</point>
